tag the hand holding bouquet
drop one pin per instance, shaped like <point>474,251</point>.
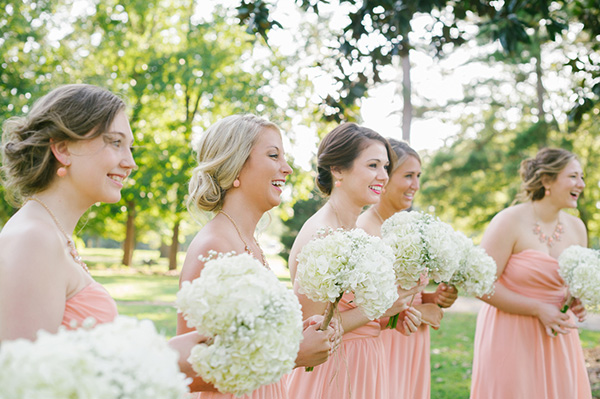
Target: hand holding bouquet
<point>254,321</point>
<point>580,269</point>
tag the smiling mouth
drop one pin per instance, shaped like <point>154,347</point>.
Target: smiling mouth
<point>278,183</point>
<point>376,189</point>
<point>118,179</point>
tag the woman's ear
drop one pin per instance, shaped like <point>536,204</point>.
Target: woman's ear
<point>337,173</point>
<point>61,152</point>
<point>546,181</point>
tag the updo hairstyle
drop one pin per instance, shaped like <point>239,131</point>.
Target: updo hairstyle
<point>340,147</point>
<point>548,162</point>
<point>401,151</point>
<point>68,113</point>
<point>222,151</point>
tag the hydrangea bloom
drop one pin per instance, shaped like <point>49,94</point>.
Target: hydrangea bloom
<point>342,261</point>
<point>421,244</point>
<point>580,269</point>
<point>254,320</point>
<point>124,359</point>
<point>476,273</point>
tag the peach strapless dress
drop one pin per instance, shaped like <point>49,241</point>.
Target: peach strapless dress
<point>358,369</point>
<point>408,361</point>
<point>513,356</point>
<point>92,301</point>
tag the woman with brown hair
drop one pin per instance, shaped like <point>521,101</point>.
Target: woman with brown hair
<point>407,351</point>
<point>353,163</point>
<point>524,346</point>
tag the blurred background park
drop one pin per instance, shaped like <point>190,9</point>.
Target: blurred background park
<point>475,86</point>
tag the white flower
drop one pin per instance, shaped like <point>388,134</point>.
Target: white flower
<point>348,261</point>
<point>421,244</point>
<point>477,271</point>
<point>580,269</point>
<point>125,359</point>
<point>254,320</point>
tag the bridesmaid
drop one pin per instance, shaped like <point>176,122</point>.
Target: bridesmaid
<point>408,357</point>
<point>240,175</point>
<point>71,151</point>
<point>353,164</point>
<point>524,346</point>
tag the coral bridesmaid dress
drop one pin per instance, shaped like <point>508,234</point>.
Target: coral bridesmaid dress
<point>273,391</point>
<point>357,370</point>
<point>513,356</point>
<point>408,361</point>
<point>92,301</point>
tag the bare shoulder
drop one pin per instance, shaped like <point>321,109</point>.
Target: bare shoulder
<point>211,237</point>
<point>575,225</point>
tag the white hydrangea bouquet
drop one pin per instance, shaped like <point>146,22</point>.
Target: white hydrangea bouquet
<point>422,245</point>
<point>476,272</point>
<point>125,359</point>
<point>579,267</point>
<point>340,261</point>
<point>253,320</point>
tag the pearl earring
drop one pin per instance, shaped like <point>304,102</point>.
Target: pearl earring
<point>338,183</point>
<point>61,172</point>
<point>547,192</point>
<point>236,183</point>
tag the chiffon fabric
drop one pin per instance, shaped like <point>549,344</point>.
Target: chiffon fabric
<point>408,361</point>
<point>92,301</point>
<point>357,370</point>
<point>513,356</point>
<point>273,391</point>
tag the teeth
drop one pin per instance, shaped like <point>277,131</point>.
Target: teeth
<point>375,188</point>
<point>117,178</point>
<point>278,183</point>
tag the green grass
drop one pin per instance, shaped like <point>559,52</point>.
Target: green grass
<point>149,292</point>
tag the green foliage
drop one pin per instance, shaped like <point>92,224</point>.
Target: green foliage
<point>301,211</point>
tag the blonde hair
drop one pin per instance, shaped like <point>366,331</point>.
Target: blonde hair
<point>548,162</point>
<point>68,113</point>
<point>222,151</point>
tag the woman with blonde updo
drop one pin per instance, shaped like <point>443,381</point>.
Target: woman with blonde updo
<point>524,346</point>
<point>240,175</point>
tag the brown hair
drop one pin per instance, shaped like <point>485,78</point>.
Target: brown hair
<point>402,151</point>
<point>340,148</point>
<point>548,162</point>
<point>68,113</point>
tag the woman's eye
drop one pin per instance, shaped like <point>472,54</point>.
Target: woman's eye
<point>275,156</point>
<point>116,143</point>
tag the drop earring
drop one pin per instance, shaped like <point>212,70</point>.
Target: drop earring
<point>338,183</point>
<point>547,192</point>
<point>236,183</point>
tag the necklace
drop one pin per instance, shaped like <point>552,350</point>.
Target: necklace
<point>263,260</point>
<point>547,239</point>
<point>378,215</point>
<point>70,243</point>
<point>337,217</point>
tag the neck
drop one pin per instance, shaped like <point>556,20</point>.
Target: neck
<point>245,220</point>
<point>66,212</point>
<point>384,210</point>
<point>545,211</point>
<point>345,212</point>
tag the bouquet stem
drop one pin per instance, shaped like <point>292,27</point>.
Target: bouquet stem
<point>567,303</point>
<point>329,310</point>
<point>393,321</point>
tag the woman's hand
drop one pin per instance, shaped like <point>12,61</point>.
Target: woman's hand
<point>578,309</point>
<point>553,320</point>
<point>316,345</point>
<point>411,320</point>
<point>445,295</point>
<point>431,314</point>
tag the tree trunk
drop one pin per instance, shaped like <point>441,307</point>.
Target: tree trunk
<point>164,249</point>
<point>174,246</point>
<point>539,85</point>
<point>129,243</point>
<point>406,96</point>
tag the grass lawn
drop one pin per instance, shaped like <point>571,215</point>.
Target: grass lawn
<point>149,292</point>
